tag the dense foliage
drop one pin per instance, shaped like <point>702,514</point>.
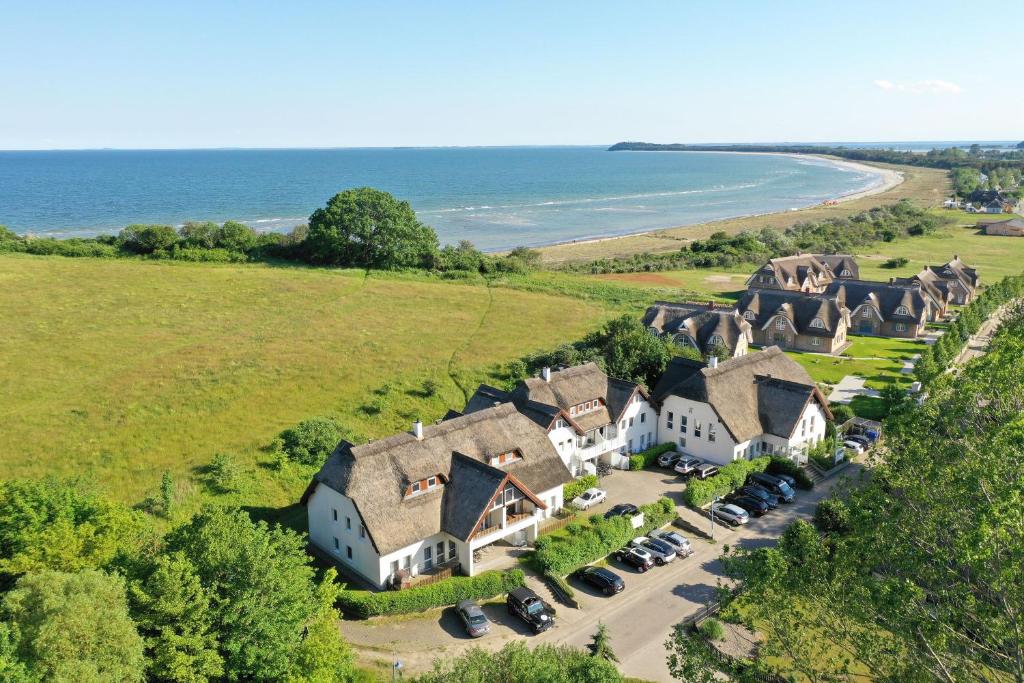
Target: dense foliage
<point>650,456</point>
<point>578,486</point>
<point>834,235</point>
<point>312,440</point>
<point>922,575</point>
<point>364,604</point>
<point>700,492</point>
<point>517,662</point>
<point>589,544</point>
<point>779,465</point>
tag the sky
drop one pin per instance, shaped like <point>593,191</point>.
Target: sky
<point>352,74</point>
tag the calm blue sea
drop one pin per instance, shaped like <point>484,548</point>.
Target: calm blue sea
<point>496,197</point>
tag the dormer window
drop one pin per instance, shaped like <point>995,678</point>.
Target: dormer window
<point>846,273</point>
<point>504,458</point>
<point>780,323</point>
<point>902,310</point>
<point>423,486</point>
<point>818,323</point>
<point>749,315</point>
<point>717,341</point>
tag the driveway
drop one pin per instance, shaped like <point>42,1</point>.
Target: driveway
<point>849,388</point>
<point>640,619</point>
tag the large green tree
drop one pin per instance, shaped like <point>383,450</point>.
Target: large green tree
<point>630,351</point>
<point>516,662</point>
<point>369,228</point>
<point>73,628</point>
<point>273,621</point>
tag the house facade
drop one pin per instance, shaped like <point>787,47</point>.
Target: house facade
<point>800,273</point>
<point>1009,228</point>
<point>886,309</point>
<point>704,327</point>
<point>590,418</point>
<point>429,498</point>
<point>962,281</point>
<point>794,320</point>
<point>742,408</point>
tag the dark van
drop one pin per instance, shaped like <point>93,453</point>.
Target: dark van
<point>774,485</point>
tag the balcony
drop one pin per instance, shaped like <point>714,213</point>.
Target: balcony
<point>599,445</point>
<point>502,521</point>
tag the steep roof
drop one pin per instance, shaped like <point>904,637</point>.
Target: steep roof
<point>838,263</point>
<point>376,475</point>
<point>1011,223</point>
<point>700,322</point>
<point>799,267</point>
<point>799,308</point>
<point>885,297</point>
<point>570,387</point>
<point>956,269</point>
<point>760,393</point>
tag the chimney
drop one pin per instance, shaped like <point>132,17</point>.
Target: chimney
<point>711,305</point>
<point>713,362</point>
<point>545,373</point>
<point>892,281</point>
<point>417,430</point>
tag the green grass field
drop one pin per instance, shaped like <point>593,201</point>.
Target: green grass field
<point>121,369</point>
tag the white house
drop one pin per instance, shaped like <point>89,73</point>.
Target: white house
<point>588,416</point>
<point>428,498</point>
<point>758,404</point>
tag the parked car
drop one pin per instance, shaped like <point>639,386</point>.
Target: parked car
<point>604,580</point>
<point>637,558</point>
<point>621,510</point>
<point>854,446</point>
<point>590,498</point>
<point>473,618</point>
<point>669,459</point>
<point>859,438</point>
<point>753,506</point>
<point>687,464</point>
<point>678,541</point>
<point>760,493</point>
<point>774,485</point>
<point>705,471</point>
<point>662,552</point>
<point>530,608</point>
<point>730,513</point>
<point>786,478</point>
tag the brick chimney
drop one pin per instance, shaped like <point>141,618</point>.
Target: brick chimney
<point>417,430</point>
<point>545,373</point>
<point>713,362</point>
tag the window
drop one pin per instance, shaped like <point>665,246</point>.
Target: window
<point>711,433</point>
<point>636,399</point>
<point>572,410</point>
<point>394,567</point>
<point>668,420</point>
<point>901,327</point>
<point>816,341</point>
<point>902,310</point>
<point>362,531</point>
<point>630,422</point>
<point>866,313</point>
<point>846,273</point>
<point>780,323</point>
<point>818,323</point>
<point>348,523</point>
<point>643,417</point>
<point>428,557</point>
<point>348,552</point>
<point>749,315</point>
<point>682,442</point>
<point>440,551</point>
<point>431,482</point>
<point>452,552</point>
<point>334,513</point>
<point>337,545</point>
<point>622,425</point>
<point>812,422</point>
<point>696,429</point>
<point>682,424</point>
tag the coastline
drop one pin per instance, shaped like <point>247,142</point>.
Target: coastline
<point>888,180</point>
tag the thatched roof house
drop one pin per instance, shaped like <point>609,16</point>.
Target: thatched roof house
<point>704,327</point>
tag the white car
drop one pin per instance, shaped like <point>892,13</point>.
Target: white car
<point>662,552</point>
<point>854,446</point>
<point>731,513</point>
<point>590,498</point>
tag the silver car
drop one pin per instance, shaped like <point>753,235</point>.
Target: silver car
<point>662,552</point>
<point>677,541</point>
<point>473,618</point>
<point>730,513</point>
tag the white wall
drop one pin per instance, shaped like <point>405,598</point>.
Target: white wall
<point>721,451</point>
<point>564,441</point>
<point>323,530</point>
<point>644,426</point>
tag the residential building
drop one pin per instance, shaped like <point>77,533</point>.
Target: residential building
<point>590,417</point>
<point>704,327</point>
<point>799,273</point>
<point>843,266</point>
<point>956,277</point>
<point>887,309</point>
<point>431,497</point>
<point>741,408</point>
<point>1013,227</point>
<point>994,206</point>
<point>795,320</point>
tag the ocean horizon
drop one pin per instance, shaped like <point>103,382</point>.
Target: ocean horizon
<point>496,197</point>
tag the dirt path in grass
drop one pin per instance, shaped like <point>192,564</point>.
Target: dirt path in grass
<point>469,339</point>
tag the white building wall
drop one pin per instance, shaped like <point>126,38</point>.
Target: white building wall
<point>639,425</point>
<point>721,451</point>
<point>565,442</point>
<point>323,505</point>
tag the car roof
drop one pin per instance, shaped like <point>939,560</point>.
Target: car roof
<point>732,508</point>
<point>470,608</point>
<point>707,466</point>
<point>599,570</point>
<point>522,593</point>
<point>593,490</point>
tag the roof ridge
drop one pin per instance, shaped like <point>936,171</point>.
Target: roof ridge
<point>430,431</point>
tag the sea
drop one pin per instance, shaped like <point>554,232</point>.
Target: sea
<point>496,197</point>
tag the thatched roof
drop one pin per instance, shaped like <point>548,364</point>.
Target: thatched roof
<point>884,296</point>
<point>799,308</point>
<point>800,268</point>
<point>376,475</point>
<point>699,323</point>
<point>838,263</point>
<point>956,269</point>
<point>760,393</point>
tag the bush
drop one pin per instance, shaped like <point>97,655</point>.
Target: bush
<point>832,516</point>
<point>311,441</point>
<point>701,492</point>
<point>363,605</point>
<point>563,555</point>
<point>896,262</point>
<point>841,412</point>
<point>650,456</point>
<point>146,239</point>
<point>573,528</point>
<point>779,465</point>
<point>224,473</point>
<point>575,488</point>
<point>712,629</point>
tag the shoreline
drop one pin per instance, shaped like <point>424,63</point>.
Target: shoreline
<point>888,179</point>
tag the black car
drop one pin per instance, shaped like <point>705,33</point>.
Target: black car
<point>786,478</point>
<point>752,505</point>
<point>641,561</point>
<point>531,609</point>
<point>760,493</point>
<point>606,581</point>
<point>774,485</point>
<point>621,510</point>
<point>862,440</point>
<point>705,471</point>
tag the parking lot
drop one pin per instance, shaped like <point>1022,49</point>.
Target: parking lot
<point>639,619</point>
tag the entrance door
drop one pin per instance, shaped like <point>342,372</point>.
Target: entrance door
<point>866,327</point>
<point>428,558</point>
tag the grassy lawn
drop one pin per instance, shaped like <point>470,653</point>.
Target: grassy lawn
<point>883,347</point>
<point>120,369</point>
<point>831,369</point>
<point>726,285</point>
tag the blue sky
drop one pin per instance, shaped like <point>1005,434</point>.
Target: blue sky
<point>325,74</point>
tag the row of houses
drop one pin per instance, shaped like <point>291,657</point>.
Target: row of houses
<point>433,496</point>
<point>986,201</point>
<point>812,302</point>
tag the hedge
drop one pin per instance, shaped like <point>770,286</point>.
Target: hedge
<point>650,456</point>
<point>570,491</point>
<point>567,554</point>
<point>786,466</point>
<point>700,492</point>
<point>363,605</point>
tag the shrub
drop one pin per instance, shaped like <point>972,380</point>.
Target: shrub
<point>564,555</point>
<point>311,441</point>
<point>146,239</point>
<point>542,542</point>
<point>701,492</point>
<point>573,528</point>
<point>363,605</point>
<point>896,262</point>
<point>832,516</point>
<point>575,488</point>
<point>779,465</point>
<point>224,473</point>
<point>650,456</point>
<point>841,412</point>
<point>712,629</point>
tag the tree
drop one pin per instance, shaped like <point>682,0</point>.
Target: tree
<point>516,662</point>
<point>601,644</point>
<point>312,440</point>
<point>224,473</point>
<point>199,235</point>
<point>371,229</point>
<point>166,494</point>
<point>689,659</point>
<point>146,239</point>
<point>272,617</point>
<point>235,236</point>
<point>173,611</point>
<point>74,627</point>
<point>630,351</point>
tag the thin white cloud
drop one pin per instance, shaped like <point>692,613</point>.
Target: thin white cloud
<point>931,87</point>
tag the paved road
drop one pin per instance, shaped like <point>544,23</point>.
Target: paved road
<point>978,343</point>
